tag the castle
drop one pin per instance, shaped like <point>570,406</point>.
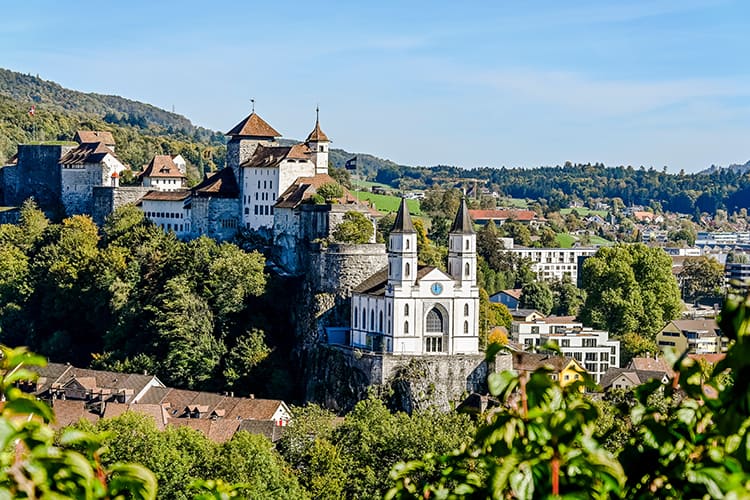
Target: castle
<point>354,298</point>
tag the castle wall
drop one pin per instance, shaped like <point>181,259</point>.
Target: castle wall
<point>77,187</point>
<point>216,218</point>
<point>106,199</point>
<point>37,174</point>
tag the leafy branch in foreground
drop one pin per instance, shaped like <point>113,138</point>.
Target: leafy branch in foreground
<point>32,466</point>
<point>542,442</point>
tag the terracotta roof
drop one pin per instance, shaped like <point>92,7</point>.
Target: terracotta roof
<point>512,292</point>
<point>519,215</point>
<point>88,152</point>
<point>303,188</point>
<point>253,126</point>
<point>155,411</point>
<point>272,156</point>
<point>403,223</point>
<point>528,361</point>
<point>69,412</point>
<point>49,375</point>
<point>162,166</point>
<point>94,136</point>
<point>317,135</point>
<point>709,358</point>
<point>463,224</point>
<point>221,185</point>
<point>177,195</point>
<point>375,284</point>
<point>650,364</point>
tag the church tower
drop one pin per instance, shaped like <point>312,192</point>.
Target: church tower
<point>462,248</point>
<point>318,143</point>
<point>402,249</point>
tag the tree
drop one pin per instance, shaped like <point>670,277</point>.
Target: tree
<point>250,351</point>
<point>537,295</point>
<point>519,232</point>
<point>491,315</point>
<point>330,191</point>
<point>341,175</point>
<point>701,276</point>
<point>630,288</point>
<point>356,228</point>
<point>568,298</point>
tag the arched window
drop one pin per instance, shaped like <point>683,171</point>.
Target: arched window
<point>356,319</point>
<point>380,322</point>
<point>466,309</point>
<point>406,327</point>
<point>372,320</point>
<point>466,327</point>
<point>467,269</point>
<point>407,243</point>
<point>467,244</point>
<point>364,319</point>
<point>434,321</point>
<point>407,269</point>
<point>406,309</point>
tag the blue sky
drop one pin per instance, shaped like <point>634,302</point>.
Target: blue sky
<point>649,83</point>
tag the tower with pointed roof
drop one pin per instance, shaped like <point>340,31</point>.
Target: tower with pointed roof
<point>462,248</point>
<point>402,250</point>
<point>244,139</point>
<point>318,143</point>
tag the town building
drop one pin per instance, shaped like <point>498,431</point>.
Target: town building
<point>509,298</point>
<point>562,369</point>
<point>593,349</point>
<point>410,309</point>
<point>500,217</point>
<point>163,174</point>
<point>696,336</point>
<point>554,264</point>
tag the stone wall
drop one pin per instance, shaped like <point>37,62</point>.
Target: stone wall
<point>36,175</point>
<point>343,376</point>
<point>106,199</point>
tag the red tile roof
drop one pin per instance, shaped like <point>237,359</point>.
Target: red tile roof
<point>519,215</point>
<point>317,135</point>
<point>88,152</point>
<point>162,166</point>
<point>94,136</point>
<point>222,184</point>
<point>253,126</point>
<point>272,156</point>
<point>304,188</point>
<point>177,195</point>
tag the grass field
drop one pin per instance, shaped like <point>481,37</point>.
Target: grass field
<point>565,240</point>
<point>513,202</point>
<point>583,212</point>
<point>386,203</point>
<point>370,184</point>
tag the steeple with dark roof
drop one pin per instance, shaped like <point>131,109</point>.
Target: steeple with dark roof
<point>462,224</point>
<point>403,222</point>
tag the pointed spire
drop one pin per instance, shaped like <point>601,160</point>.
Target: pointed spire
<point>403,222</point>
<point>463,224</point>
<point>317,135</point>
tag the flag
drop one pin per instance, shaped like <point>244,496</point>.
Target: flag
<point>351,164</point>
<point>32,110</point>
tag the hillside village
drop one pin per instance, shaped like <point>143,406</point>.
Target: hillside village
<point>386,309</point>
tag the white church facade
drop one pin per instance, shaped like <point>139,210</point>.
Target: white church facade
<point>411,309</point>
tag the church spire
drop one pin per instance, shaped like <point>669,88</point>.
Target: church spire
<point>462,224</point>
<point>403,222</point>
<point>317,135</point>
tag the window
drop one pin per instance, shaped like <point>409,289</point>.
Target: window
<point>466,309</point>
<point>467,270</point>
<point>590,356</point>
<point>535,329</point>
<point>321,149</point>
<point>256,209</point>
<point>467,244</point>
<point>356,317</point>
<point>406,327</point>
<point>407,270</point>
<point>258,184</point>
<point>364,318</point>
<point>380,322</point>
<point>466,327</point>
<point>270,184</point>
<point>372,320</point>
<point>433,344</point>
<point>256,196</point>
<point>247,210</point>
<point>407,243</point>
<point>434,321</point>
<point>406,309</point>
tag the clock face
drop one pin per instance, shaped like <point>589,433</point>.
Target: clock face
<point>436,288</point>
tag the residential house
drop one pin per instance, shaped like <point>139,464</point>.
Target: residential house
<point>563,369</point>
<point>509,298</point>
<point>696,336</point>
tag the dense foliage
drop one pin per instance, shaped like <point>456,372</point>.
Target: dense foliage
<point>136,298</point>
<point>688,439</point>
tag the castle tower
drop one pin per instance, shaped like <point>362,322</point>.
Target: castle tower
<point>402,250</point>
<point>318,143</point>
<point>244,138</point>
<point>462,248</point>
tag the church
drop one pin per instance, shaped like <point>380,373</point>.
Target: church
<point>410,309</point>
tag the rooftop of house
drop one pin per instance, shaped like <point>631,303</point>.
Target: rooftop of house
<point>519,215</point>
<point>176,195</point>
<point>304,188</point>
<point>528,361</point>
<point>377,283</point>
<point>162,166</point>
<point>221,184</point>
<point>83,136</point>
<point>272,156</point>
<point>88,152</point>
<point>703,327</point>
<point>253,126</point>
<point>635,377</point>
